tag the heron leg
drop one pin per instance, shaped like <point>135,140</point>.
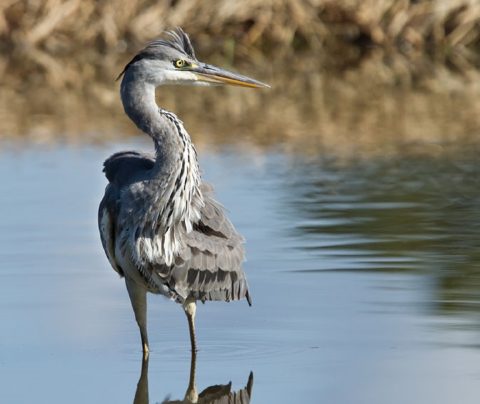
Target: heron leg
<point>190,308</point>
<point>138,298</point>
<point>191,395</point>
<point>141,394</point>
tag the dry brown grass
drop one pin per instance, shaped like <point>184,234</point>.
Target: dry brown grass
<point>405,71</point>
<point>57,40</point>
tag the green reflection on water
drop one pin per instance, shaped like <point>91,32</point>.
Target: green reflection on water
<point>417,214</point>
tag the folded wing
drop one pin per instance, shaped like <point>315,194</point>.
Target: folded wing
<point>210,265</point>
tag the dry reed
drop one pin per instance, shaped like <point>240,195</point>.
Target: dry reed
<point>58,59</point>
<point>58,39</point>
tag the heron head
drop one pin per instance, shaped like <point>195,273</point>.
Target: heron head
<point>172,61</point>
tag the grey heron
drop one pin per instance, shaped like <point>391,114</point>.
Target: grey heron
<point>160,226</point>
<point>216,394</point>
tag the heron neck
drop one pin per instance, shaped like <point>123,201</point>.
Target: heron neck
<point>138,98</point>
<point>176,166</point>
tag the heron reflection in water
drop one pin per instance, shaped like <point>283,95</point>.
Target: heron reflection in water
<point>160,226</point>
<point>216,394</point>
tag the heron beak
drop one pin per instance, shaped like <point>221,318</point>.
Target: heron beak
<point>216,75</point>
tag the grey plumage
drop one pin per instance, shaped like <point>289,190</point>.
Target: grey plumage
<point>160,225</point>
<point>178,41</point>
<point>216,394</point>
<point>209,265</point>
<point>220,394</point>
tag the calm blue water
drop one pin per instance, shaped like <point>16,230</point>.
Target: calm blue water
<point>365,278</point>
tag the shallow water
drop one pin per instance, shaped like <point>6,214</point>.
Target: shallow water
<point>365,277</point>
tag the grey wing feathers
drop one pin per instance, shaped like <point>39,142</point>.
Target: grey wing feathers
<point>222,394</point>
<point>120,166</point>
<point>210,268</point>
<point>214,221</point>
<point>120,169</point>
<point>106,225</point>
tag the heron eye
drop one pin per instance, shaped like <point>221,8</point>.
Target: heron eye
<point>179,63</point>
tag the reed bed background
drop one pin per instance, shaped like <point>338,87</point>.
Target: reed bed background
<point>347,74</point>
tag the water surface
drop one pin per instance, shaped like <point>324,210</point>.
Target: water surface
<point>365,277</point>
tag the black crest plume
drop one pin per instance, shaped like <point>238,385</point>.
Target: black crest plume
<point>177,39</point>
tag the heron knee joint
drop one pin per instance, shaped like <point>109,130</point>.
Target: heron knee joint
<point>190,307</point>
